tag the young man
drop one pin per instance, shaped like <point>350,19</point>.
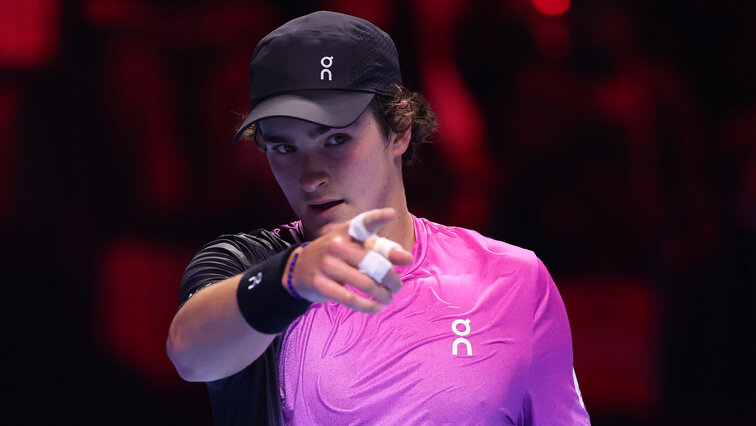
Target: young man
<point>421,323</point>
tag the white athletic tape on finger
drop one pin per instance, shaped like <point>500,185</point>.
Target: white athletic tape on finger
<point>357,229</point>
<point>384,246</point>
<point>374,265</point>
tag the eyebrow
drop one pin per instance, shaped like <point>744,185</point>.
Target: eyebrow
<point>317,131</point>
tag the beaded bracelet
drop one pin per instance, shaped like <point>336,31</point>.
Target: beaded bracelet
<point>289,286</point>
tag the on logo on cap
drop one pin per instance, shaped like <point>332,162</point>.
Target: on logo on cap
<point>325,66</point>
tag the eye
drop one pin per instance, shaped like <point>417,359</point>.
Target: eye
<point>337,139</point>
<point>283,149</point>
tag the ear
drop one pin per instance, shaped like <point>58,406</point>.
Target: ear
<point>400,141</point>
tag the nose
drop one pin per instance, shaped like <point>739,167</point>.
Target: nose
<point>313,176</point>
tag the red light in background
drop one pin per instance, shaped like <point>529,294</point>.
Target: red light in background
<point>379,12</point>
<point>552,38</point>
<point>141,93</point>
<point>117,13</point>
<point>29,32</point>
<point>463,140</point>
<point>552,7</point>
<point>136,297</point>
<point>615,322</point>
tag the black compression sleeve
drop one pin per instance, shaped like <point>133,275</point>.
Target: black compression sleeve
<point>263,301</point>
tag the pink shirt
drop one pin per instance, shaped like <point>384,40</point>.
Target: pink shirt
<point>477,335</point>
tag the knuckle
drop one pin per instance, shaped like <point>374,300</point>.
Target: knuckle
<point>328,262</point>
<point>349,297</point>
<point>318,281</point>
<point>334,246</point>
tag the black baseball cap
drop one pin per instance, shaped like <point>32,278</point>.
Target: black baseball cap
<point>324,67</point>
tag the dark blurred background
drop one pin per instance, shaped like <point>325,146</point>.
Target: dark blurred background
<point>616,139</point>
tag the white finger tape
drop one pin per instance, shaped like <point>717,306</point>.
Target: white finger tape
<point>357,228</point>
<point>384,246</point>
<point>374,265</point>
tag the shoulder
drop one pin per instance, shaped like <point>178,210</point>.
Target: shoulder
<point>252,247</point>
<point>233,254</point>
<point>473,244</point>
<point>246,247</point>
<point>466,255</point>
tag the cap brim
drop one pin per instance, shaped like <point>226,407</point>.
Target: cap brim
<point>332,108</point>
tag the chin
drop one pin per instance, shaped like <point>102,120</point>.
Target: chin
<point>314,231</point>
<point>319,226</point>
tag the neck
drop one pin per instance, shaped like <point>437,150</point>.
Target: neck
<point>401,229</point>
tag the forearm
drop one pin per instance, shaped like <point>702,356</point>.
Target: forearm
<point>223,328</point>
<point>209,339</point>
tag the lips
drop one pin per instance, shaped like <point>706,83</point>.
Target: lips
<point>323,206</point>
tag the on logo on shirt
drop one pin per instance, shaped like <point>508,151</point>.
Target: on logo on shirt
<point>461,339</point>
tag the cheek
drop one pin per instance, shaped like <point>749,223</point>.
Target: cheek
<point>282,173</point>
<point>355,169</point>
<point>364,171</point>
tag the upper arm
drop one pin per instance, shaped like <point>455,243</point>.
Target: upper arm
<point>208,337</point>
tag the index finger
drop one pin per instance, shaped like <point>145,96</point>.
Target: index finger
<point>368,223</point>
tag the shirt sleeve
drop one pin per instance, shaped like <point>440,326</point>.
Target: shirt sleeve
<point>227,256</point>
<point>250,396</point>
<point>553,396</point>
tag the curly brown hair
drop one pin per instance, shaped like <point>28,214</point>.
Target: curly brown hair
<point>395,113</point>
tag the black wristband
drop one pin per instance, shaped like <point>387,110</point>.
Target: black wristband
<point>263,301</point>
